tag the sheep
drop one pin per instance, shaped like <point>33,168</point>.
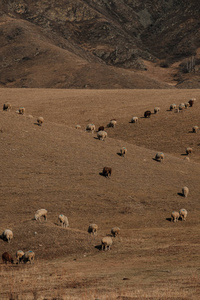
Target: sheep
<point>93,229</point>
<point>115,231</point>
<point>187,105</point>
<point>123,151</point>
<point>78,127</point>
<point>6,257</point>
<point>101,135</point>
<point>174,216</point>
<point>7,106</point>
<point>21,110</point>
<point>191,102</point>
<point>107,171</point>
<point>134,120</point>
<point>147,114</point>
<point>19,256</point>
<point>40,121</point>
<point>7,235</point>
<point>106,243</point>
<point>188,150</point>
<point>156,110</point>
<point>183,214</point>
<point>195,129</point>
<point>90,127</point>
<point>112,123</point>
<point>63,220</point>
<point>101,128</point>
<point>41,213</point>
<point>159,156</point>
<point>28,256</point>
<point>185,191</point>
<point>172,107</point>
<point>181,106</point>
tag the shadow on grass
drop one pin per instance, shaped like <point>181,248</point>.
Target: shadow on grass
<point>180,194</point>
<point>168,219</point>
<point>98,247</point>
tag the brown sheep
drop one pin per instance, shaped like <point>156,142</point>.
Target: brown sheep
<point>7,106</point>
<point>147,114</point>
<point>101,128</point>
<point>107,171</point>
<point>191,102</point>
<point>6,257</point>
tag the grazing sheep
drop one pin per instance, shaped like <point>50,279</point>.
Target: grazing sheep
<point>123,151</point>
<point>156,110</point>
<point>41,213</point>
<point>181,106</point>
<point>19,256</point>
<point>101,128</point>
<point>7,106</point>
<point>6,257</point>
<point>195,129</point>
<point>107,171</point>
<point>174,216</point>
<point>185,191</point>
<point>183,214</point>
<point>21,110</point>
<point>90,127</point>
<point>134,120</point>
<point>147,114</point>
<point>187,105</point>
<point>93,229</point>
<point>106,243</point>
<point>63,220</point>
<point>28,256</point>
<point>7,235</point>
<point>159,156</point>
<point>115,231</point>
<point>112,123</point>
<point>172,107</point>
<point>78,127</point>
<point>101,135</point>
<point>40,121</point>
<point>191,102</point>
<point>188,150</point>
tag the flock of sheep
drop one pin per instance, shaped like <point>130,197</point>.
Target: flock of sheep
<point>106,241</point>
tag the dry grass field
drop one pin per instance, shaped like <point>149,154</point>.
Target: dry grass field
<point>58,167</point>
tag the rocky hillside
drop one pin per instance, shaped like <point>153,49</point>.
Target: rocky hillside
<point>79,44</point>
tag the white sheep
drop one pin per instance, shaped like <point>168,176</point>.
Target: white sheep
<point>181,106</point>
<point>63,220</point>
<point>19,256</point>
<point>115,231</point>
<point>7,106</point>
<point>195,129</point>
<point>174,216</point>
<point>187,105</point>
<point>123,151</point>
<point>41,213</point>
<point>134,120</point>
<point>112,123</point>
<point>172,107</point>
<point>21,110</point>
<point>183,214</point>
<point>78,127</point>
<point>185,191</point>
<point>159,156</point>
<point>188,150</point>
<point>7,235</point>
<point>90,127</point>
<point>40,121</point>
<point>93,229</point>
<point>28,256</point>
<point>156,110</point>
<point>102,135</point>
<point>106,243</point>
